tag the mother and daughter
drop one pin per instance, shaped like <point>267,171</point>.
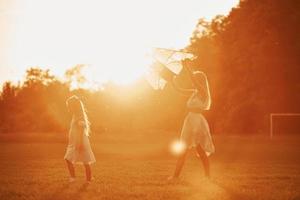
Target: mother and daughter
<point>195,132</point>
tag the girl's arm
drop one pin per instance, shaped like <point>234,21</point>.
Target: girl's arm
<point>186,92</point>
<point>80,135</point>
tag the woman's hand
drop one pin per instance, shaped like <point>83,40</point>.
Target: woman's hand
<point>187,65</point>
<point>173,83</point>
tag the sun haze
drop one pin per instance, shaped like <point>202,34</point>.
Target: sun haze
<point>111,37</point>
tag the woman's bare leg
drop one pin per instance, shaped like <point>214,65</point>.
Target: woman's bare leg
<point>179,164</point>
<point>204,159</point>
<point>71,169</point>
<point>88,172</point>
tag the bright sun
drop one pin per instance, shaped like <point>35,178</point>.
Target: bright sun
<point>111,37</point>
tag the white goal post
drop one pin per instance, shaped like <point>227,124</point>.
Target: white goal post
<point>273,115</point>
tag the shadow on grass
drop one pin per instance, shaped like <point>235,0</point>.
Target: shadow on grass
<point>61,193</point>
<point>78,193</point>
<point>56,194</point>
<point>233,192</point>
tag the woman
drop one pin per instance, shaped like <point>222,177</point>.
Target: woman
<point>195,131</point>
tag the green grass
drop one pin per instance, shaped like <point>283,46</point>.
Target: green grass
<point>129,166</point>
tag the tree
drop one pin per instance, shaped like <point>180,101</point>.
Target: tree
<point>252,57</point>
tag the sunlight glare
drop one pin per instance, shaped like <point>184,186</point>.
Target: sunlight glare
<point>178,147</point>
<point>112,36</point>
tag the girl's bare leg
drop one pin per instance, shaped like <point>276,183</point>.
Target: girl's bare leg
<point>179,164</point>
<point>71,169</point>
<point>88,172</point>
<point>204,159</point>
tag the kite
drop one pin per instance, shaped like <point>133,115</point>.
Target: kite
<point>166,64</point>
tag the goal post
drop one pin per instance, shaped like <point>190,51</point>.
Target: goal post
<point>273,115</point>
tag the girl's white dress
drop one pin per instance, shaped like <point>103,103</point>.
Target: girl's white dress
<point>195,130</point>
<point>86,155</point>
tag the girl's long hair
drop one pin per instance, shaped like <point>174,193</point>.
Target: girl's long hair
<point>78,110</point>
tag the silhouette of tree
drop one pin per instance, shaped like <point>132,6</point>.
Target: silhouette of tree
<point>252,57</point>
<point>74,76</point>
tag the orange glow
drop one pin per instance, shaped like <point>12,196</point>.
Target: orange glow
<point>177,147</point>
<point>112,37</point>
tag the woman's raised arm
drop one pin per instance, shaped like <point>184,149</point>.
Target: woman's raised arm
<point>184,91</point>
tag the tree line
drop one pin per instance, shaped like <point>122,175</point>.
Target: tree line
<point>251,57</point>
<point>38,104</point>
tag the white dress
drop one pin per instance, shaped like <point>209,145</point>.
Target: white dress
<point>195,130</point>
<point>86,155</point>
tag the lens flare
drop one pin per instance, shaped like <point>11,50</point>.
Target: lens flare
<point>177,147</point>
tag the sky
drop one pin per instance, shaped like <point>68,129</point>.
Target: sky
<point>111,36</point>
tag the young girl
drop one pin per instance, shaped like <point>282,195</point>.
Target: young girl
<point>79,149</point>
<point>195,131</point>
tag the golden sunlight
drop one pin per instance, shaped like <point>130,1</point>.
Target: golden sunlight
<point>177,147</point>
<point>112,37</point>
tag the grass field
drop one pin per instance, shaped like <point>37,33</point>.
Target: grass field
<point>132,167</point>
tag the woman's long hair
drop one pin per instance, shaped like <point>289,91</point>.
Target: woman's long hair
<point>200,80</point>
<point>78,110</point>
